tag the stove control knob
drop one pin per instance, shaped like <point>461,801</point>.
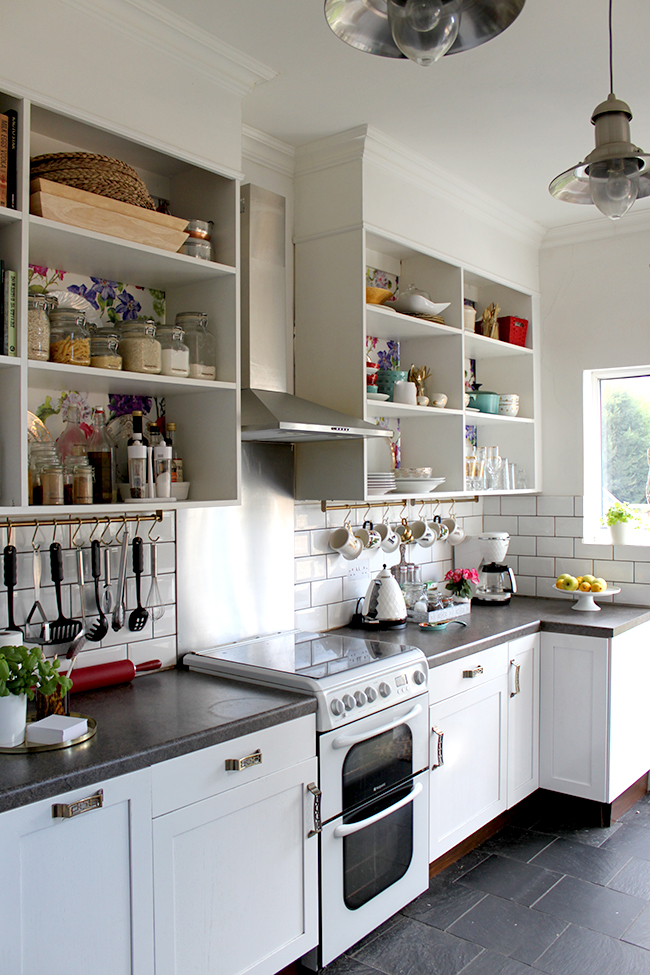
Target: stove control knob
<point>419,677</point>
<point>360,698</point>
<point>371,694</point>
<point>349,702</point>
<point>384,689</point>
<point>336,707</point>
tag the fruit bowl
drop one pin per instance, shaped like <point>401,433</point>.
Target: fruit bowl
<point>586,601</point>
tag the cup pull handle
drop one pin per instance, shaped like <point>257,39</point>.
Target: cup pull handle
<point>318,825</point>
<point>66,810</point>
<point>440,758</point>
<point>239,764</point>
<point>517,685</point>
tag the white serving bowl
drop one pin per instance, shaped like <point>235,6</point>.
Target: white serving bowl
<point>439,400</point>
<point>180,490</point>
<point>508,409</point>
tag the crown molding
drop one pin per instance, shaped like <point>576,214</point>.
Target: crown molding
<point>265,150</point>
<point>371,145</point>
<point>178,39</point>
<point>598,227</point>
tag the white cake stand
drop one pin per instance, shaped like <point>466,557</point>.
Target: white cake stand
<point>585,602</point>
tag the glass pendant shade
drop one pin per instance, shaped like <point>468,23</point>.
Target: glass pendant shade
<point>424,30</point>
<point>614,186</point>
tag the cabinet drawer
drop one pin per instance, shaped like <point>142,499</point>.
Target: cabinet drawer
<point>485,665</point>
<point>200,774</point>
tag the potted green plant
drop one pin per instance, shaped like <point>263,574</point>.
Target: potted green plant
<point>23,672</point>
<point>622,519</point>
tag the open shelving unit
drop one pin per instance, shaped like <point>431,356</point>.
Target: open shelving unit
<point>206,413</point>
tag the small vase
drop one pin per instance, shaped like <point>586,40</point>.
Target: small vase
<point>621,533</point>
<point>13,720</point>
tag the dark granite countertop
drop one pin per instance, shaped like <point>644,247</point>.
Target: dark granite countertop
<point>489,625</point>
<point>157,717</point>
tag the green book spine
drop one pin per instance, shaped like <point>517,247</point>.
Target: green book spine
<point>11,313</point>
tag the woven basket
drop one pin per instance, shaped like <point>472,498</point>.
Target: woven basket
<point>95,174</point>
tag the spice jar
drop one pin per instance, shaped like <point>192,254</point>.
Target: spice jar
<point>52,484</point>
<point>41,455</point>
<point>175,354</point>
<point>201,344</point>
<point>104,350</point>
<point>198,243</point>
<point>139,347</point>
<point>69,339</point>
<point>38,326</point>
<point>83,478</point>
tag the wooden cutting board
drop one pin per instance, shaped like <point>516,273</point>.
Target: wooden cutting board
<point>77,208</point>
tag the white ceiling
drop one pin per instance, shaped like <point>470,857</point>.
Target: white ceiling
<point>505,117</point>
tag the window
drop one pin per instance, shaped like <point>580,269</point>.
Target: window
<point>616,423</point>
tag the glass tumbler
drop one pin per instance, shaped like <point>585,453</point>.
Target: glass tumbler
<point>494,463</point>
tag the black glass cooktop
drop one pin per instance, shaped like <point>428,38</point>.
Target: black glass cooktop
<point>313,655</point>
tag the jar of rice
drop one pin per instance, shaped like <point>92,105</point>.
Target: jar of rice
<point>139,347</point>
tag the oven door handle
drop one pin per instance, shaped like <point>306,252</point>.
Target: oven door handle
<point>355,827</point>
<point>346,741</point>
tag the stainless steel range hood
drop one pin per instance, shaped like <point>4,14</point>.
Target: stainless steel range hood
<point>269,412</point>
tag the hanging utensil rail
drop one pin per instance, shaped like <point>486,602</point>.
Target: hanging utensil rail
<point>402,502</point>
<point>74,522</point>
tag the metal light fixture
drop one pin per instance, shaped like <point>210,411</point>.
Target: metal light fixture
<point>615,173</point>
<point>421,30</point>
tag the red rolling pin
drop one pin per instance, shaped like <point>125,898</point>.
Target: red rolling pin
<point>104,675</point>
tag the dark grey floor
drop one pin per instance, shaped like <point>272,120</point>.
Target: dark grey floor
<point>543,895</point>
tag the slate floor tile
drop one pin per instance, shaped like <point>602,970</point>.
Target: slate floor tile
<point>573,830</point>
<point>412,948</point>
<point>632,840</point>
<point>597,864</point>
<point>591,906</point>
<point>639,932</point>
<point>581,952</point>
<point>512,879</point>
<point>633,879</point>
<point>345,966</point>
<point>508,928</point>
<point>466,863</point>
<point>517,843</point>
<point>490,963</point>
<point>638,815</point>
<point>443,903</point>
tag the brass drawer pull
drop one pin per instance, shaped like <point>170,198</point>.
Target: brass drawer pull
<point>440,758</point>
<point>316,793</point>
<point>66,810</point>
<point>473,673</point>
<point>239,764</point>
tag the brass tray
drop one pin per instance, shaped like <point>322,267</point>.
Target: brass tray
<point>28,747</point>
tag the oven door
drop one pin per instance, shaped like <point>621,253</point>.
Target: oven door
<point>373,862</point>
<point>363,759</point>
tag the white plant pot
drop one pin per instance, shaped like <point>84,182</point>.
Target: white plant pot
<point>13,720</point>
<point>622,533</point>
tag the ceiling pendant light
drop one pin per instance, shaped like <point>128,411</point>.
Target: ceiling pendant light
<point>421,30</point>
<point>615,173</point>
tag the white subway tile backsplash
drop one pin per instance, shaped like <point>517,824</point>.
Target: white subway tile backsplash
<point>558,547</point>
<point>312,568</point>
<point>614,571</point>
<point>320,542</point>
<point>518,506</point>
<point>474,525</point>
<point>492,505</point>
<point>569,526</point>
<point>326,591</point>
<point>163,649</point>
<point>166,625</point>
<point>642,572</point>
<point>309,516</point>
<point>535,565</point>
<point>502,523</point>
<point>340,614</point>
<point>548,505</point>
<point>577,567</point>
<point>634,593</point>
<point>302,596</point>
<point>546,588</point>
<point>523,545</point>
<point>577,506</point>
<point>526,585</point>
<point>301,544</point>
<point>336,565</point>
<point>584,550</point>
<point>312,619</point>
<point>536,526</point>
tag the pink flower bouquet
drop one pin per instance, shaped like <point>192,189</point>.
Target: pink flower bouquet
<point>458,581</point>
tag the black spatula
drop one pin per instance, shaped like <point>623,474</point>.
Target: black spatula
<point>11,578</point>
<point>62,629</point>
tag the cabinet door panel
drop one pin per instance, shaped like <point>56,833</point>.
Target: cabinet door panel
<point>96,865</point>
<point>629,745</point>
<point>469,789</point>
<point>236,879</point>
<point>523,718</point>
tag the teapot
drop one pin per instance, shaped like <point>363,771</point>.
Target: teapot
<point>383,605</point>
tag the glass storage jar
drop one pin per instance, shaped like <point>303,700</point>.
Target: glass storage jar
<point>69,338</point>
<point>175,353</point>
<point>52,483</point>
<point>83,477</point>
<point>104,353</point>
<point>201,343</point>
<point>38,326</point>
<point>41,455</point>
<point>139,347</point>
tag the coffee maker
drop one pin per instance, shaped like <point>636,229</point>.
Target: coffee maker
<point>499,583</point>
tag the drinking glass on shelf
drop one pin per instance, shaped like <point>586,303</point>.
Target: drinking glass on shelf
<point>470,473</point>
<point>520,479</point>
<point>479,477</point>
<point>494,463</point>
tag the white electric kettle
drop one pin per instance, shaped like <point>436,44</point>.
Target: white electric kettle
<point>384,604</point>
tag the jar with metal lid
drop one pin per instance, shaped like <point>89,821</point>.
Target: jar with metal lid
<point>175,353</point>
<point>104,353</point>
<point>139,347</point>
<point>201,343</point>
<point>41,455</point>
<point>38,326</point>
<point>198,243</point>
<point>52,483</point>
<point>69,338</point>
<point>82,483</point>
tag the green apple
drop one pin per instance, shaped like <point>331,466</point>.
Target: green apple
<point>589,579</point>
<point>571,584</point>
<point>598,585</point>
<point>559,582</point>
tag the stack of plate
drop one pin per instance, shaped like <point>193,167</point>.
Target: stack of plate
<point>381,483</point>
<point>417,480</point>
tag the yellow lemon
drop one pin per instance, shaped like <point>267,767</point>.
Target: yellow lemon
<point>585,587</point>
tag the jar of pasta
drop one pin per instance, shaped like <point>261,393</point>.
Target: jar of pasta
<point>69,338</point>
<point>139,347</point>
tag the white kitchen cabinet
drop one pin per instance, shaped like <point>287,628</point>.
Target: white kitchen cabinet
<point>236,874</point>
<point>523,717</point>
<point>206,412</point>
<point>594,727</point>
<point>469,740</point>
<point>333,305</point>
<point>77,892</point>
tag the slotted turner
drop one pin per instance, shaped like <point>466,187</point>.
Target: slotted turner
<point>139,616</point>
<point>62,629</point>
<point>99,630</point>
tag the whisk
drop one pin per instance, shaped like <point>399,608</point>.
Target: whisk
<point>153,601</point>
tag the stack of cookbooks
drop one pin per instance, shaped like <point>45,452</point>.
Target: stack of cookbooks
<point>9,159</point>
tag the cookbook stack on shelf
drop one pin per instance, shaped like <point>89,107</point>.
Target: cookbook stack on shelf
<point>8,158</point>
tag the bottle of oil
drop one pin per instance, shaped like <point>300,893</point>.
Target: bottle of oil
<point>101,457</point>
<point>177,463</point>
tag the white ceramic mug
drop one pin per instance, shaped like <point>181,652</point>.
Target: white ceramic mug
<point>345,542</point>
<point>369,538</point>
<point>422,533</point>
<point>457,536</point>
<point>389,538</point>
<point>439,528</point>
<point>405,392</point>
